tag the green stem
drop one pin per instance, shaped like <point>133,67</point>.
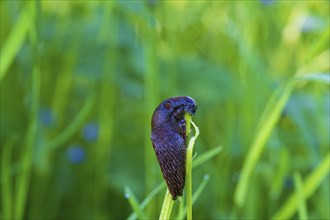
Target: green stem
<point>309,186</point>
<point>190,149</point>
<point>189,185</point>
<point>167,206</point>
<point>301,201</point>
<point>168,201</point>
<point>134,203</point>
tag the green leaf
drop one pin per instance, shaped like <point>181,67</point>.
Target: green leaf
<point>206,156</point>
<point>312,182</point>
<point>196,194</point>
<point>134,203</point>
<point>268,121</point>
<point>301,202</point>
<point>16,38</point>
<point>318,77</point>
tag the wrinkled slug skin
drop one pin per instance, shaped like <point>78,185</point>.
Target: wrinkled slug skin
<point>169,140</point>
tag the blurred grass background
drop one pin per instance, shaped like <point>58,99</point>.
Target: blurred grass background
<point>80,80</point>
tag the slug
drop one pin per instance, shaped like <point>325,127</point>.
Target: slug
<point>169,140</point>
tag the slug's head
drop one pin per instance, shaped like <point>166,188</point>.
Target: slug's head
<point>173,109</point>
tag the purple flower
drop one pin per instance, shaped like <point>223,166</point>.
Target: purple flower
<point>267,2</point>
<point>152,2</point>
<point>90,131</point>
<point>76,154</point>
<point>312,23</point>
<point>288,183</point>
<point>46,116</point>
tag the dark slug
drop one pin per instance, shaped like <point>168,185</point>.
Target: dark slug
<point>169,140</point>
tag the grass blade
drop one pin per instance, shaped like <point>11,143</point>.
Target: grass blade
<point>262,135</point>
<point>16,38</point>
<point>134,203</point>
<point>167,206</point>
<point>318,77</point>
<point>196,195</point>
<point>190,150</point>
<point>200,188</point>
<point>74,125</point>
<point>301,203</point>
<point>201,159</point>
<point>206,156</point>
<point>6,179</point>
<point>23,180</point>
<point>145,202</point>
<point>312,182</point>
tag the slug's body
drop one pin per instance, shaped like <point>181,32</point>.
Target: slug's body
<point>169,140</point>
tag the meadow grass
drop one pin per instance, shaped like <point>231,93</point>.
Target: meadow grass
<point>259,71</point>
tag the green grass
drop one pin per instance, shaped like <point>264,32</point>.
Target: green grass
<point>79,82</point>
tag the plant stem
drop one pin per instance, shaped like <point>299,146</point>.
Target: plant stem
<point>167,206</point>
<point>168,201</point>
<point>190,149</point>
